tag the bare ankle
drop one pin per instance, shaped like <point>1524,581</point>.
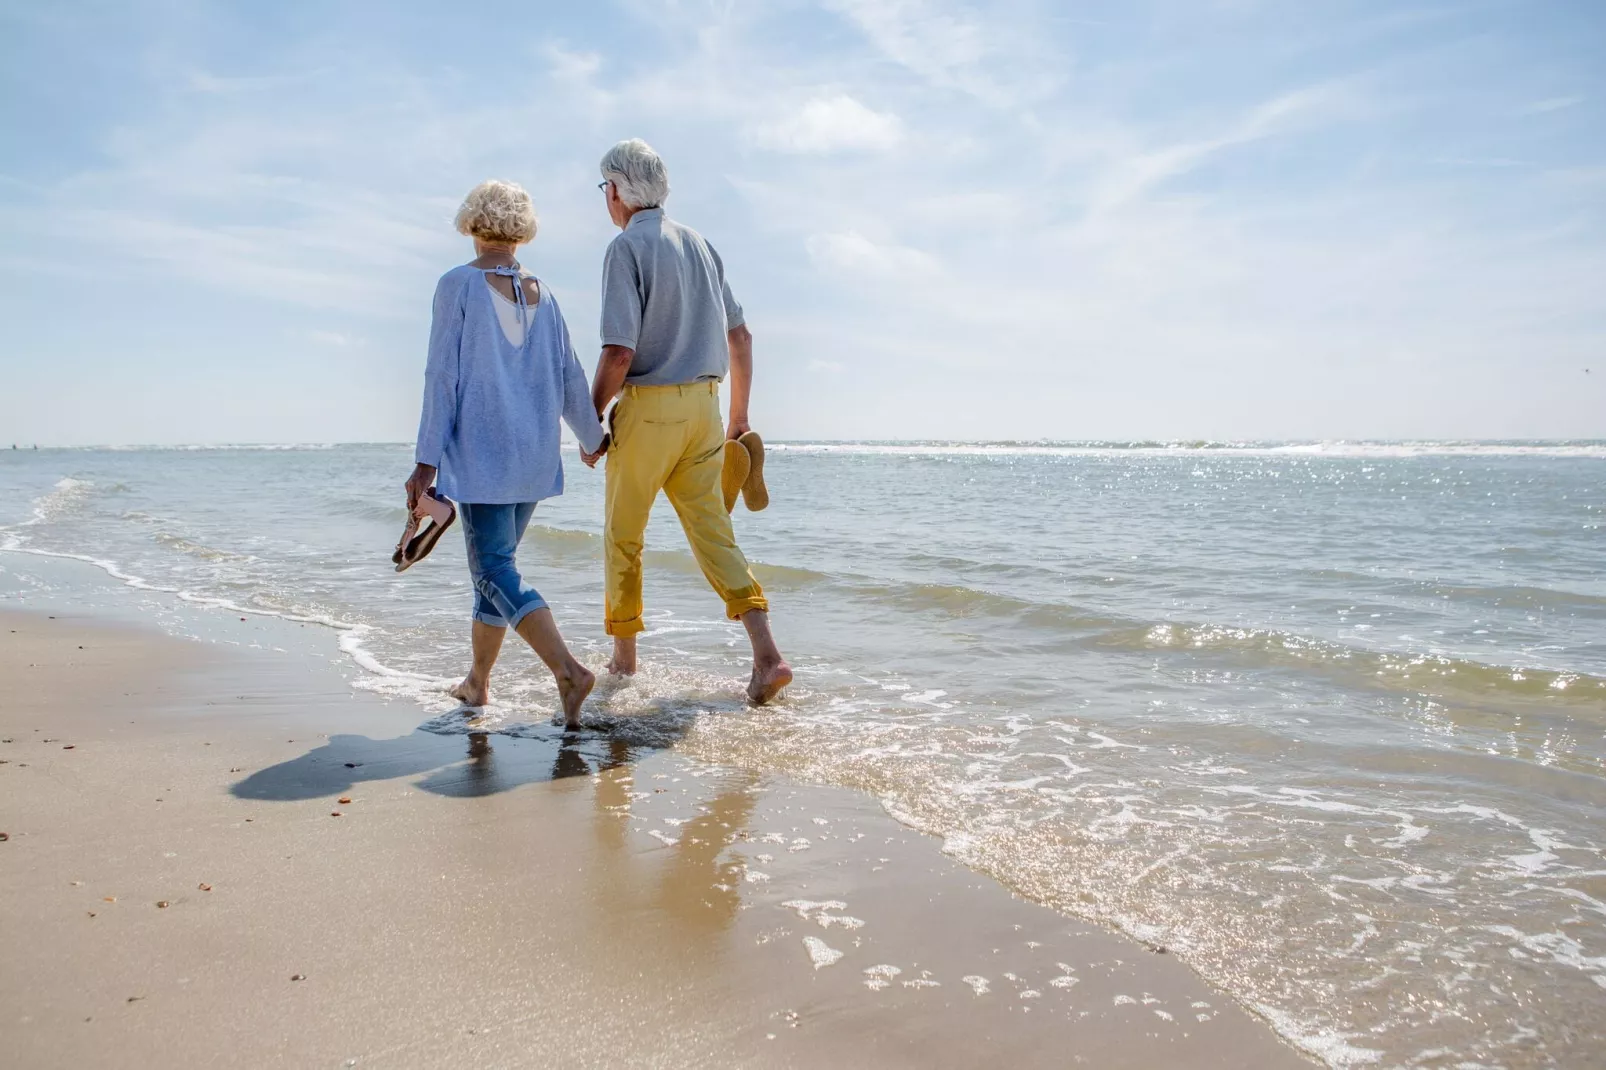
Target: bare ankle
<point>623,661</point>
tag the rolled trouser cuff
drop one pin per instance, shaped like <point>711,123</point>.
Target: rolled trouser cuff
<point>495,620</point>
<point>624,629</point>
<point>745,601</point>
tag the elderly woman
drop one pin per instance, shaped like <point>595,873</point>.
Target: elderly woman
<point>501,370</point>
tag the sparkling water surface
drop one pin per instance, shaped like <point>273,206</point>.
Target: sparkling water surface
<point>1326,722</point>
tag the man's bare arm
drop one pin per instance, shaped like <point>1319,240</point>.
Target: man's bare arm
<point>741,347</point>
<point>612,367</point>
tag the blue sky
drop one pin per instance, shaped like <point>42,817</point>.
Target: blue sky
<point>1167,219</point>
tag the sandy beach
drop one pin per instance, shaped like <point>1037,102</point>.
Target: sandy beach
<point>231,859</point>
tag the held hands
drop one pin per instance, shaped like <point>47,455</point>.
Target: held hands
<point>590,459</point>
<point>604,414</point>
<point>421,480</point>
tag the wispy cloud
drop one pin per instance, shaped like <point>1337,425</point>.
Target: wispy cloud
<point>1549,104</point>
<point>1284,114</point>
<point>854,254</point>
<point>953,46</point>
<point>831,124</point>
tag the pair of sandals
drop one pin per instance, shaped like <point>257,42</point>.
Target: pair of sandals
<point>415,545</point>
<point>744,473</point>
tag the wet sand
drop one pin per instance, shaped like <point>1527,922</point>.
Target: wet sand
<point>175,890</point>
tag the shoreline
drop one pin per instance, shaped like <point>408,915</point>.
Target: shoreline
<point>484,898</point>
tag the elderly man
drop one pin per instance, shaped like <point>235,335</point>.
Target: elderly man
<point>671,330</point>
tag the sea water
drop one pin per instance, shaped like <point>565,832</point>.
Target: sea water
<point>1326,721</point>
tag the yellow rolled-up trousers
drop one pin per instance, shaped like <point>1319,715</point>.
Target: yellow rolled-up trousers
<point>670,438</point>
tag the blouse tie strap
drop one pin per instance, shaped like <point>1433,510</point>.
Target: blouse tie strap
<point>517,275</point>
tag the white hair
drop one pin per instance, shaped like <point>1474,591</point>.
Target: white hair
<point>637,173</point>
<point>497,211</point>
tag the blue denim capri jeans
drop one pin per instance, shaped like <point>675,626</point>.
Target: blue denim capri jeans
<point>492,534</point>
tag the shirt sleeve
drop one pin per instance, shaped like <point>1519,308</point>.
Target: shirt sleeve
<point>578,411</point>
<point>439,417</point>
<point>734,316</point>
<point>621,297</point>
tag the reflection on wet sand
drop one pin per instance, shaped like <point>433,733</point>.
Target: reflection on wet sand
<point>689,883</point>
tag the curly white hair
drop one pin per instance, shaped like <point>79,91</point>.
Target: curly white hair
<point>497,211</point>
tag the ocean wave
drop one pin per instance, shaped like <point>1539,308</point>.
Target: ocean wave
<point>1539,598</point>
<point>1576,449</point>
<point>1429,673</point>
<point>219,447</point>
<point>195,549</point>
<point>1583,448</point>
<point>67,496</point>
<point>367,509</point>
<point>1436,674</point>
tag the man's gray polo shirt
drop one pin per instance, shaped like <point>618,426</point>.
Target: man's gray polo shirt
<point>664,295</point>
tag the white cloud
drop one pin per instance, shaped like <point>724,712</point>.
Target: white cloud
<point>992,55</point>
<point>1539,107</point>
<point>852,253</point>
<point>831,124</point>
<point>1287,113</point>
<point>572,66</point>
<point>335,339</point>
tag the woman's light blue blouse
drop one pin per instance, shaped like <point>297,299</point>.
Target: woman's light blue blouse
<point>490,420</point>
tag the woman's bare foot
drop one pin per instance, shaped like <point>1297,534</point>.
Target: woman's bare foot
<point>471,692</point>
<point>623,662</point>
<point>768,681</point>
<point>573,687</point>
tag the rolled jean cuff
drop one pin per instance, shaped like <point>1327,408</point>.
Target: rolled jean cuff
<point>495,620</point>
<point>624,629</point>
<point>526,609</point>
<point>745,601</point>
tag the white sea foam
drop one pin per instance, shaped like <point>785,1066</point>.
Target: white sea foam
<point>880,976</point>
<point>821,953</point>
<point>1329,1045</point>
<point>1209,449</point>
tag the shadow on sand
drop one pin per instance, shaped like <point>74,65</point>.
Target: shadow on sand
<point>348,760</point>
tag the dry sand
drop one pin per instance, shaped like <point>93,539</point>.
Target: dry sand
<point>174,891</point>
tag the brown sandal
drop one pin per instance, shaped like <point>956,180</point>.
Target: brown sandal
<point>415,545</point>
<point>738,462</point>
<point>755,495</point>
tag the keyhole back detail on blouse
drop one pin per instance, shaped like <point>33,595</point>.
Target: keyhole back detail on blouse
<point>502,285</point>
<point>515,308</point>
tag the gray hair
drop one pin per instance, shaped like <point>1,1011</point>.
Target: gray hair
<point>637,172</point>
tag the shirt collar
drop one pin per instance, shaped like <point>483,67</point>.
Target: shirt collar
<point>644,216</point>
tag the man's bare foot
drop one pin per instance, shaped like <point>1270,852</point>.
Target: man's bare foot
<point>471,692</point>
<point>623,662</point>
<point>768,681</point>
<point>573,687</point>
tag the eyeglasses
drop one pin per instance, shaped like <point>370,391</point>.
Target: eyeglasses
<point>603,185</point>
